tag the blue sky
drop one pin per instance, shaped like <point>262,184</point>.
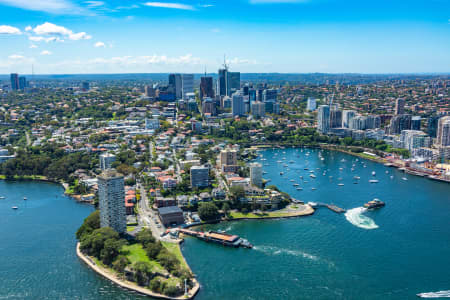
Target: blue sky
<point>301,36</point>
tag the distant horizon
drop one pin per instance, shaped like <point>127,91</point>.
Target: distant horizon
<point>215,73</point>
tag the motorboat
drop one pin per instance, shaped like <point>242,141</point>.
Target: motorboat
<point>14,207</point>
<point>375,203</point>
<point>373,181</point>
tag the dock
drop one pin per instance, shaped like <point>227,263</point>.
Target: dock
<point>332,207</point>
<point>222,238</point>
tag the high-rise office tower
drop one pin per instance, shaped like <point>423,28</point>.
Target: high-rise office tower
<point>432,124</point>
<point>234,82</point>
<point>85,86</point>
<point>399,106</point>
<point>14,81</point>
<point>111,196</point>
<point>256,174</point>
<point>222,82</point>
<point>443,131</point>
<point>237,105</point>
<point>335,118</point>
<point>323,118</point>
<point>311,104</point>
<point>399,123</point>
<point>206,87</point>
<point>187,84</point>
<point>176,85</point>
<point>415,122</point>
<point>347,116</point>
<point>22,82</point>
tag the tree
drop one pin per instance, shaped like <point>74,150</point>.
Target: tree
<point>143,272</point>
<point>225,208</point>
<point>145,237</point>
<point>120,263</point>
<point>208,211</point>
<point>111,249</point>
<point>91,223</point>
<point>155,285</point>
<point>237,192</point>
<point>153,249</point>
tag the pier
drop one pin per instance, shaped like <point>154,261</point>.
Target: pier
<point>332,207</point>
<point>218,238</point>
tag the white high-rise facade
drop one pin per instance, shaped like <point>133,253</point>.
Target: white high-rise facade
<point>347,116</point>
<point>311,104</point>
<point>323,119</point>
<point>187,84</point>
<point>256,174</point>
<point>111,194</point>
<point>443,131</point>
<point>237,105</point>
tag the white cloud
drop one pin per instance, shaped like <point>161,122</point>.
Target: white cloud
<point>44,39</point>
<point>6,29</point>
<point>32,46</point>
<point>28,28</point>
<point>49,6</point>
<point>206,5</point>
<point>94,3</point>
<point>52,29</point>
<point>16,56</point>
<point>170,5</point>
<point>99,45</point>
<point>46,52</point>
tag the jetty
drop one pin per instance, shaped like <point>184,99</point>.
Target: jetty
<point>332,207</point>
<point>218,238</point>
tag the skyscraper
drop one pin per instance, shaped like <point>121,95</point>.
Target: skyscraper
<point>234,82</point>
<point>443,131</point>
<point>399,106</point>
<point>14,81</point>
<point>222,82</point>
<point>311,104</point>
<point>347,116</point>
<point>187,84</point>
<point>323,118</point>
<point>208,106</point>
<point>22,82</point>
<point>432,124</point>
<point>111,196</point>
<point>237,105</point>
<point>206,87</point>
<point>415,122</point>
<point>335,118</point>
<point>256,174</point>
<point>399,123</point>
<point>175,84</point>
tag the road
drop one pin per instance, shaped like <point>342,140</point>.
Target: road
<point>147,216</point>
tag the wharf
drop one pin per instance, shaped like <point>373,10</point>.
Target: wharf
<point>218,238</point>
<point>332,207</point>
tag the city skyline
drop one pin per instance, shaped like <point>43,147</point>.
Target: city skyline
<point>286,36</point>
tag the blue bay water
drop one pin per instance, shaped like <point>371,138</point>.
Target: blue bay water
<point>324,256</point>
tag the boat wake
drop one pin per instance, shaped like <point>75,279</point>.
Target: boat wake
<point>356,217</point>
<point>440,294</point>
<point>270,250</point>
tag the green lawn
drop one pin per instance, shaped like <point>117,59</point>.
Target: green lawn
<point>136,253</point>
<point>131,228</point>
<point>175,249</point>
<point>28,177</point>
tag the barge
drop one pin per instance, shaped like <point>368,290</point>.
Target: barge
<point>222,238</point>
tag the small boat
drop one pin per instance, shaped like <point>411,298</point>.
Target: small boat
<point>373,173</point>
<point>296,184</point>
<point>292,180</point>
<point>299,189</point>
<point>24,198</point>
<point>375,203</point>
<point>404,178</point>
<point>392,177</point>
<point>305,168</point>
<point>312,176</point>
<point>387,172</point>
<point>340,184</point>
<point>264,172</point>
<point>14,207</point>
<point>373,181</point>
<point>356,182</point>
<point>1,197</point>
<point>313,189</point>
<point>322,158</point>
<point>340,169</point>
<point>281,173</point>
<point>356,177</point>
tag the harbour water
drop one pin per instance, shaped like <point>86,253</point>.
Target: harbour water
<point>37,248</point>
<point>392,253</point>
